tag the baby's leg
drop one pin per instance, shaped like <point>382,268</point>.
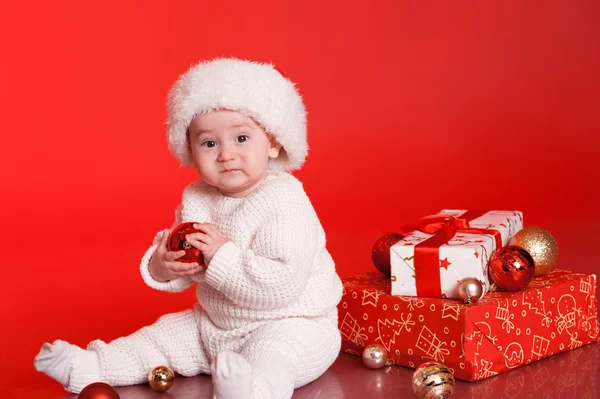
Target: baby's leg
<point>172,341</point>
<point>283,355</point>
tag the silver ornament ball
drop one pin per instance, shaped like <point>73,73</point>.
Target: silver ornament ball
<point>469,290</point>
<point>375,356</point>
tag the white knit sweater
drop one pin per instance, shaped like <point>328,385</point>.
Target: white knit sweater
<point>275,264</point>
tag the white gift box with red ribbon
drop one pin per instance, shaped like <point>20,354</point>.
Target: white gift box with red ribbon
<point>440,250</point>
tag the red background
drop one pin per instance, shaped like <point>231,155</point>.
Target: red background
<point>413,107</point>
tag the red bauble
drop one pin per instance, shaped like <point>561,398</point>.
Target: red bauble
<point>98,390</point>
<point>511,268</point>
<point>177,242</point>
<point>381,252</point>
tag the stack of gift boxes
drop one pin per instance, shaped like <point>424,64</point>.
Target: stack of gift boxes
<point>416,315</point>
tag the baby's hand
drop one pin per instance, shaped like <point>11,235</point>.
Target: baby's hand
<point>164,266</point>
<point>208,240</point>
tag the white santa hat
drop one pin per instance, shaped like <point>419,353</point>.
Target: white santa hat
<point>252,88</point>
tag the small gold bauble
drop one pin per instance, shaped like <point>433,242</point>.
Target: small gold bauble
<point>433,380</point>
<point>469,290</point>
<point>541,246</point>
<point>375,356</point>
<point>161,378</point>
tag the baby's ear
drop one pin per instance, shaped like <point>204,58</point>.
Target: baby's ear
<point>274,147</point>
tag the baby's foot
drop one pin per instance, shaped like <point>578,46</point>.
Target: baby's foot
<point>231,376</point>
<point>68,364</point>
<point>55,360</point>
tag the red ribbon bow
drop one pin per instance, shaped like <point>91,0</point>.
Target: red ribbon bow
<point>427,253</point>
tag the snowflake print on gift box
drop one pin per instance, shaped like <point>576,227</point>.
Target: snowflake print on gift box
<point>352,331</point>
<point>429,343</point>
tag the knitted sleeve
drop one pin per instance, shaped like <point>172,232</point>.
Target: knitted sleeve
<point>273,272</point>
<point>177,285</point>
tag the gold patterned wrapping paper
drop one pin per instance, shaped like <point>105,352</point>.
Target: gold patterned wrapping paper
<point>505,330</point>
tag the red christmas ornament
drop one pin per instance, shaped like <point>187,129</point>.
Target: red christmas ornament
<point>380,255</point>
<point>177,242</point>
<point>98,390</point>
<point>511,268</point>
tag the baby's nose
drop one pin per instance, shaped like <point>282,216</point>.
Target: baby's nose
<point>226,153</point>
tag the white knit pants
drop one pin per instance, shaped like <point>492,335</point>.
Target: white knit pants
<point>285,354</point>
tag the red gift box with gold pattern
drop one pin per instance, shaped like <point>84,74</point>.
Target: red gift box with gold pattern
<point>505,330</point>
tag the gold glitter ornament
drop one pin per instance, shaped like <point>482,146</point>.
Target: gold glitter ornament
<point>161,378</point>
<point>375,356</point>
<point>433,380</point>
<point>541,246</point>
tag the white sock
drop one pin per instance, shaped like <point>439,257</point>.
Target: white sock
<point>231,376</point>
<point>55,360</point>
<point>68,364</point>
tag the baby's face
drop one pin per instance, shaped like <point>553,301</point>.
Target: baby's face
<point>230,151</point>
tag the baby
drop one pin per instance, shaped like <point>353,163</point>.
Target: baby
<point>266,318</point>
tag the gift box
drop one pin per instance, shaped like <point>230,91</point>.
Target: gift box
<point>440,250</point>
<point>555,313</point>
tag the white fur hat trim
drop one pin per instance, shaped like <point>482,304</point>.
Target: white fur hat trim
<point>255,89</point>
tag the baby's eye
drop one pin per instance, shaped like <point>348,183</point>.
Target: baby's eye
<point>241,138</point>
<point>209,143</point>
